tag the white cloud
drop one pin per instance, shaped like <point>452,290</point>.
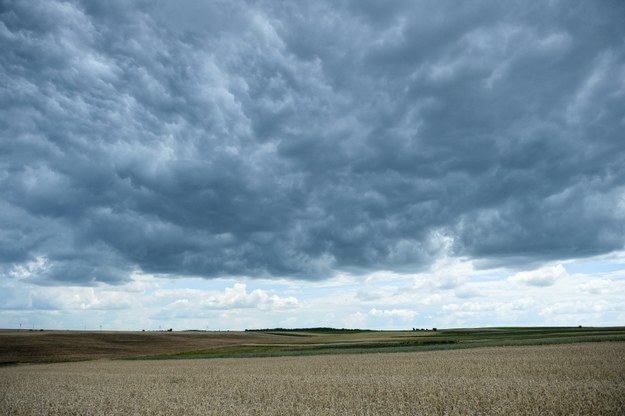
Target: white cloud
<point>71,299</point>
<point>92,298</point>
<point>596,286</point>
<point>356,320</point>
<point>29,269</point>
<point>449,282</point>
<point>489,311</point>
<point>573,308</point>
<point>430,299</point>
<point>237,297</point>
<point>589,295</point>
<point>405,314</point>
<point>544,276</point>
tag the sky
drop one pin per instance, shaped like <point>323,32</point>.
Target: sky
<point>226,165</point>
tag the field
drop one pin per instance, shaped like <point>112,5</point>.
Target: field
<point>59,346</point>
<point>504,371</point>
<point>561,379</point>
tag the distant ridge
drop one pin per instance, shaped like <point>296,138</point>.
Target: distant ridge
<point>315,329</point>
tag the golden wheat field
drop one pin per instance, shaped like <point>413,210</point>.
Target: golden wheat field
<point>574,379</point>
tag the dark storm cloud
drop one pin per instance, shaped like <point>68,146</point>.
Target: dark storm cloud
<point>296,140</point>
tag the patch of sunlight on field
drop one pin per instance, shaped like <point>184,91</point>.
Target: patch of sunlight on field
<point>551,379</point>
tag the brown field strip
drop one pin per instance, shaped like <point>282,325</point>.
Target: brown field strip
<point>60,346</point>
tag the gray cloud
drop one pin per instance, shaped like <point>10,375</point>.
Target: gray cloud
<point>270,139</point>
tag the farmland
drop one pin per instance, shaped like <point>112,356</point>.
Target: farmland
<point>551,370</point>
<point>577,378</point>
<point>58,346</point>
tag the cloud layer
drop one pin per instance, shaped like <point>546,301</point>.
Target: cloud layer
<point>301,140</point>
<point>555,294</point>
